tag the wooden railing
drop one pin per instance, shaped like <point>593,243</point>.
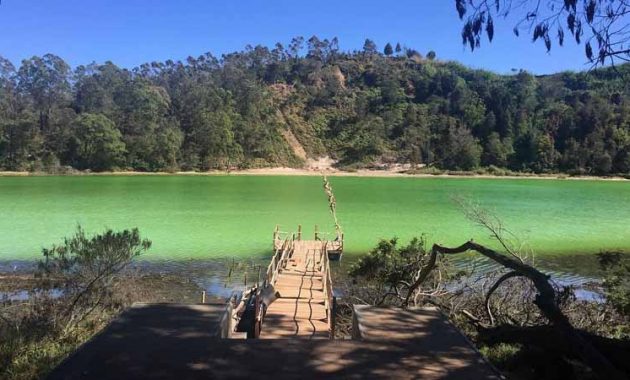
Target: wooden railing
<point>281,255</point>
<point>280,236</point>
<point>329,294</point>
<point>334,239</point>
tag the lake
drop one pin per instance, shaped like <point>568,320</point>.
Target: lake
<point>212,217</point>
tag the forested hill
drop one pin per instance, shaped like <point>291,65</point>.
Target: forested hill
<point>256,107</point>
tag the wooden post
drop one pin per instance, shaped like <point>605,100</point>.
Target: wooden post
<point>316,232</point>
<point>258,280</point>
<point>275,232</point>
<point>299,237</point>
<point>203,296</point>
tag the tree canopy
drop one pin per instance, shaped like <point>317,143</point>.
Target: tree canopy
<point>254,108</point>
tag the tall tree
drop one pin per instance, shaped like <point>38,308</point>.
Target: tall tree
<point>45,81</point>
<point>369,47</point>
<point>388,50</point>
<point>96,143</point>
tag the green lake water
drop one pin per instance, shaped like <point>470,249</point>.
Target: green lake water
<point>208,217</point>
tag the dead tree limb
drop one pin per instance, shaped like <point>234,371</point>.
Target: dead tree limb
<point>545,300</point>
<point>494,287</point>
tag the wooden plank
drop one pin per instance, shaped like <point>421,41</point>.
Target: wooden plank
<point>300,311</point>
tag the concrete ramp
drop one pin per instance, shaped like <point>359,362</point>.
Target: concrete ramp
<point>183,342</point>
<point>445,349</point>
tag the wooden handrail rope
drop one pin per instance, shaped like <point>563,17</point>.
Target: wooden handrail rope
<point>332,204</point>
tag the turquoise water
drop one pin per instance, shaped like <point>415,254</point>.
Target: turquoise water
<point>206,217</point>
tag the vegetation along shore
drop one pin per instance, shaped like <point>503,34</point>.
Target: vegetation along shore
<point>276,107</point>
<point>286,171</point>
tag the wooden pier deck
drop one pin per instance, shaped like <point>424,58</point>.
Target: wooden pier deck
<point>299,275</point>
<point>164,341</point>
<point>300,311</point>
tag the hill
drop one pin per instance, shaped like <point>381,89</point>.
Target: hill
<point>283,106</point>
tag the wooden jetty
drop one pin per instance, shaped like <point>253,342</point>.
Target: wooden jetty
<point>292,312</point>
<point>300,301</point>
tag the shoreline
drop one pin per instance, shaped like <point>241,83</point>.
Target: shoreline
<point>285,171</point>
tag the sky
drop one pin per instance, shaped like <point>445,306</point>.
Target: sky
<point>132,32</point>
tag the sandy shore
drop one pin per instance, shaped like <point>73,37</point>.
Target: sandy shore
<point>284,171</point>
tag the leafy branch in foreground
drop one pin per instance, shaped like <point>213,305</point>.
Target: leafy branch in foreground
<point>601,24</point>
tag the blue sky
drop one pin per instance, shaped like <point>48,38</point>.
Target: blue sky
<point>131,32</point>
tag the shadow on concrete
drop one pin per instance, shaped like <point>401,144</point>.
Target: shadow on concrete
<point>182,342</point>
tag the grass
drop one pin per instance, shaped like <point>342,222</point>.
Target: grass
<point>501,355</point>
<point>27,356</point>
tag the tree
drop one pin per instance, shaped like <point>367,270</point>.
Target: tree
<point>86,268</point>
<point>96,143</point>
<point>388,50</point>
<point>398,48</point>
<point>296,45</point>
<point>386,272</point>
<point>316,48</point>
<point>146,125</point>
<point>455,146</point>
<point>218,113</point>
<point>616,282</point>
<point>431,55</point>
<point>496,152</point>
<point>369,47</point>
<point>407,277</point>
<point>601,24</point>
<point>45,81</point>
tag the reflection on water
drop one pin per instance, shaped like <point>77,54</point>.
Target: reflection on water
<point>23,295</point>
<point>223,277</point>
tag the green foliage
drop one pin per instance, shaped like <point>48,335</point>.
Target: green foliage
<point>388,50</point>
<point>96,142</point>
<point>362,108</point>
<point>392,269</point>
<point>78,289</point>
<point>616,266</point>
<point>95,258</point>
<point>86,268</point>
<point>502,354</point>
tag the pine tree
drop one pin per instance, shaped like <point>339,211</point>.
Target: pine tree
<point>388,49</point>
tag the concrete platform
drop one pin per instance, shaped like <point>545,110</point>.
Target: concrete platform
<point>182,342</point>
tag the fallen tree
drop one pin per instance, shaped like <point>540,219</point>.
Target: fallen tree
<point>545,300</point>
<point>531,310</point>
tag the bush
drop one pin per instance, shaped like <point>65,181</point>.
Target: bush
<point>616,284</point>
<point>74,295</point>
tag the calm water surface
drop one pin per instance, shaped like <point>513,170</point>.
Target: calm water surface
<point>211,217</point>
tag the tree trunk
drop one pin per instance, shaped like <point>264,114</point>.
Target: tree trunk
<point>545,300</point>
